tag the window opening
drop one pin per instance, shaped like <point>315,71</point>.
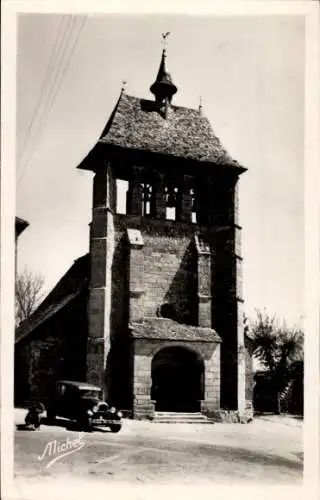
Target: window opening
<point>171,197</point>
<point>122,188</point>
<point>194,208</point>
<point>166,311</point>
<point>146,199</point>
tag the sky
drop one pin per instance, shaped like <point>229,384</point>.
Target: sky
<point>249,72</point>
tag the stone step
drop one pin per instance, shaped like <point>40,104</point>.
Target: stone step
<point>177,421</point>
<point>178,414</point>
<point>175,417</point>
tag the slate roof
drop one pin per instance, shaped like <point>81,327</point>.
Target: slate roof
<point>137,124</point>
<point>167,329</point>
<point>68,288</point>
<point>37,319</point>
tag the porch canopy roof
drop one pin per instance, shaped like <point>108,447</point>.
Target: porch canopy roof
<point>167,329</point>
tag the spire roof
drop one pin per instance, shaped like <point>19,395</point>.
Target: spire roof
<point>163,87</point>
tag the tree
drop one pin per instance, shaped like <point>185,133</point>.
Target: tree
<point>28,294</point>
<point>279,349</point>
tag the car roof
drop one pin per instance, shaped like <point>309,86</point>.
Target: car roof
<point>80,385</point>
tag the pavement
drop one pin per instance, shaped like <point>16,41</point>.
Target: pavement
<point>269,450</point>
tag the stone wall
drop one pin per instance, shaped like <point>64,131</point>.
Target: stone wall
<point>227,314</point>
<point>101,261</point>
<point>55,350</point>
<point>143,407</point>
<point>249,376</point>
<point>47,364</point>
<point>21,373</point>
<point>167,273</point>
<point>169,268</point>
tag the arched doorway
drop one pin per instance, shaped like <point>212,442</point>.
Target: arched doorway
<point>177,380</point>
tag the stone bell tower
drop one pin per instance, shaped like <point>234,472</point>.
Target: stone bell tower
<point>165,303</point>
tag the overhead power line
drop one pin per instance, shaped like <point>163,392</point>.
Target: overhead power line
<point>63,64</point>
<point>50,67</point>
<point>63,47</point>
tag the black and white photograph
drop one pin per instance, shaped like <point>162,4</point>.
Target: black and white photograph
<point>159,253</point>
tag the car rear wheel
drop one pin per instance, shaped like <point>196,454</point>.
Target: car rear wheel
<point>115,427</point>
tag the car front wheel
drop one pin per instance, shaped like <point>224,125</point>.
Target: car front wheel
<point>115,428</point>
<point>85,424</point>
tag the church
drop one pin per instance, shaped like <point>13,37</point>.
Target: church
<point>154,312</point>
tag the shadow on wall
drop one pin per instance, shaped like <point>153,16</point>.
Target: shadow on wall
<point>182,293</point>
<point>119,290</point>
<point>119,364</point>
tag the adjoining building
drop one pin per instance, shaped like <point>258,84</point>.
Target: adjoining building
<point>19,387</point>
<point>154,313</point>
<point>20,226</point>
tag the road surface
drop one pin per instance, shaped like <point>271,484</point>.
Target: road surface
<point>147,453</point>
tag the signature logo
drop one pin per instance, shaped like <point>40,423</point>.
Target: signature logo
<point>59,449</point>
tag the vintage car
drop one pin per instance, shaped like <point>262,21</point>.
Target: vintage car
<point>83,403</point>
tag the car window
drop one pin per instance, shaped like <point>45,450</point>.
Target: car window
<point>61,389</point>
<point>91,394</point>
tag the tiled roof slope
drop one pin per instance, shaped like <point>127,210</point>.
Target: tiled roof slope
<point>137,124</point>
<point>164,328</point>
<point>69,287</point>
<point>70,283</point>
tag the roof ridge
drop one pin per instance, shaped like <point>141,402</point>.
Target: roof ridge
<point>131,96</point>
<point>108,125</point>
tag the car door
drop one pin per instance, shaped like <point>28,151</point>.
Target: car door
<point>73,402</point>
<point>58,399</point>
<point>67,401</point>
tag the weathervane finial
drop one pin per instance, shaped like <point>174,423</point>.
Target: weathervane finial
<point>124,85</point>
<point>164,39</point>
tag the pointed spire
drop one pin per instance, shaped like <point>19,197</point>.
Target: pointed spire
<point>200,105</point>
<point>124,86</point>
<point>162,68</point>
<point>163,88</point>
